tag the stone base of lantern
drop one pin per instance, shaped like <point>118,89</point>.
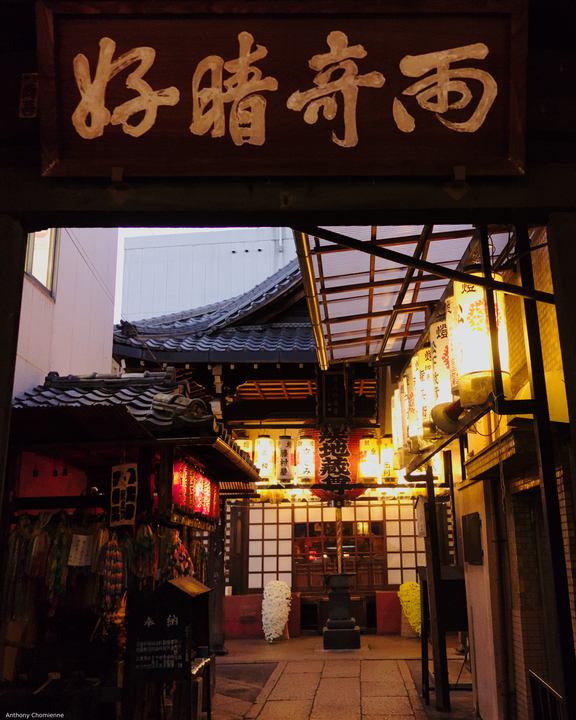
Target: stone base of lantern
<point>341,639</point>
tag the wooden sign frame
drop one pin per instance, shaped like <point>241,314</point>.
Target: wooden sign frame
<point>295,89</point>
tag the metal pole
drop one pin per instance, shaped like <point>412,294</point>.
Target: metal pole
<point>339,537</point>
<point>434,573</point>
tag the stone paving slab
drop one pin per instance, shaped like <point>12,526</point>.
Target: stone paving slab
<point>266,690</point>
<point>286,710</point>
<point>387,717</point>
<point>223,705</point>
<point>386,706</point>
<point>346,668</point>
<point>295,686</point>
<point>305,667</point>
<point>380,671</point>
<point>338,691</point>
<point>332,713</point>
<point>389,688</point>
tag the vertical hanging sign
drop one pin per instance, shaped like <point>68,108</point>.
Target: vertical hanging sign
<point>123,494</point>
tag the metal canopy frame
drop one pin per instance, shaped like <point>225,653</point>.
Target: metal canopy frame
<point>405,294</point>
<point>369,302</point>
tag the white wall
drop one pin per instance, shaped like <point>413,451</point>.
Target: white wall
<point>481,582</point>
<point>72,333</point>
<point>171,273</point>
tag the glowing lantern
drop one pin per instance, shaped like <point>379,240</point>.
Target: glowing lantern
<point>386,461</point>
<point>285,459</point>
<point>305,464</point>
<point>440,346</point>
<point>206,496</point>
<point>244,443</point>
<point>198,493</point>
<point>187,475</point>
<point>398,427</point>
<point>177,494</point>
<point>264,456</point>
<point>473,343</point>
<point>369,460</point>
<point>451,322</point>
<point>397,439</point>
<point>410,398</point>
<point>215,502</point>
<point>425,388</point>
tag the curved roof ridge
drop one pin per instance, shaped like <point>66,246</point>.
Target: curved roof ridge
<point>216,315</point>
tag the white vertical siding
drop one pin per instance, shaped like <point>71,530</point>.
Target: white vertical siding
<point>173,273</point>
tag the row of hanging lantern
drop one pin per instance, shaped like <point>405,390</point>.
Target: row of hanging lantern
<point>453,372</point>
<point>292,462</point>
<point>193,492</point>
<point>287,461</point>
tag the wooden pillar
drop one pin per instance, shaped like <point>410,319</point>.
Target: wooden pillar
<point>13,243</point>
<point>217,583</point>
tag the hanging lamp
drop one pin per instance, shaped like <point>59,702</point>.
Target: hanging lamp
<point>473,342</point>
<point>305,459</point>
<point>369,458</point>
<point>264,456</point>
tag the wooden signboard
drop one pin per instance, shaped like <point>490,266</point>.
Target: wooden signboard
<point>281,88</point>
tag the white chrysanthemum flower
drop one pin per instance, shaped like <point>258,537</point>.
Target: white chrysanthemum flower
<point>275,608</point>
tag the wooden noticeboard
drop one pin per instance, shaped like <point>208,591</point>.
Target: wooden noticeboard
<point>281,88</point>
<point>166,629</point>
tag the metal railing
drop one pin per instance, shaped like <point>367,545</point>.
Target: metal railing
<point>546,702</point>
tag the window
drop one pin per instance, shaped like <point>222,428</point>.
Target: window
<point>270,545</point>
<point>41,258</point>
<point>315,545</point>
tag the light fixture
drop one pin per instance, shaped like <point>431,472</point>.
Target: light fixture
<point>474,344</point>
<point>305,459</point>
<point>410,399</point>
<point>387,473</point>
<point>285,459</point>
<point>245,444</point>
<point>420,398</point>
<point>440,347</point>
<point>264,456</point>
<point>399,424</point>
<point>425,386</point>
<point>369,460</point>
<point>451,322</point>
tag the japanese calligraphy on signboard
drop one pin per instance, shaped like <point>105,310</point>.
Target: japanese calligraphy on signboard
<point>255,92</point>
<point>123,494</point>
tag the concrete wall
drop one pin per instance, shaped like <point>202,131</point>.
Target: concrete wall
<point>171,273</point>
<point>72,332</point>
<point>482,615</point>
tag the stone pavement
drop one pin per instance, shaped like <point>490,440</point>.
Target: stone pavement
<point>298,680</point>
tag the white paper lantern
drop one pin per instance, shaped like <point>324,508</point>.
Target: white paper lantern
<point>244,443</point>
<point>440,347</point>
<point>369,458</point>
<point>264,456</point>
<point>305,459</point>
<point>285,459</point>
<point>473,342</point>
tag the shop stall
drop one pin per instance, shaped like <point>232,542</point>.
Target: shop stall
<point>115,486</point>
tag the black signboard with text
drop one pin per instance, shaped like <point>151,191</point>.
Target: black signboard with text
<point>281,89</point>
